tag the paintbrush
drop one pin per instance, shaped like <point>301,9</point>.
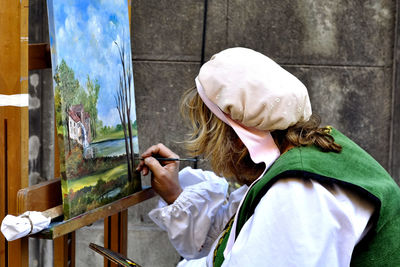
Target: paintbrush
<point>174,159</point>
<point>113,256</point>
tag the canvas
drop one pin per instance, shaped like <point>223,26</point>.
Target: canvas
<point>94,102</point>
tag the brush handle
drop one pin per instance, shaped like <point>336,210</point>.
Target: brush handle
<point>173,159</point>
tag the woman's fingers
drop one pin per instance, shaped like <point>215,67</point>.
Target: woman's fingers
<point>141,167</point>
<point>145,170</point>
<point>161,150</point>
<point>164,178</point>
<point>154,165</point>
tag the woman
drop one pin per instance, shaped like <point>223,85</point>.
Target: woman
<point>309,195</point>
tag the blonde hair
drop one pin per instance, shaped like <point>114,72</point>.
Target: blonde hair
<point>305,134</point>
<point>218,142</point>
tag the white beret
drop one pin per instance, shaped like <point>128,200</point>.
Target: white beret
<point>254,90</point>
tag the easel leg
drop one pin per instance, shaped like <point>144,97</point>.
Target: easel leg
<point>3,191</point>
<point>14,163</point>
<point>64,250</point>
<point>14,120</point>
<point>115,234</point>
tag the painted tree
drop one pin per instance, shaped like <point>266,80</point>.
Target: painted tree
<point>69,92</point>
<point>123,100</point>
<point>93,89</point>
<point>68,87</point>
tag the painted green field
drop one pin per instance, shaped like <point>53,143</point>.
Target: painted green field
<point>109,136</point>
<point>91,180</point>
<point>112,136</point>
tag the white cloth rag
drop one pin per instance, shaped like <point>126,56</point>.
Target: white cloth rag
<point>30,222</point>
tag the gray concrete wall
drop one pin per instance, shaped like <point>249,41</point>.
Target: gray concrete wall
<point>344,51</point>
<point>341,50</point>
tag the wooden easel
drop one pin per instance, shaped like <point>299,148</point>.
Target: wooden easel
<point>15,195</point>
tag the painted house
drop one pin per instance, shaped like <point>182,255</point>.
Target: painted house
<point>79,125</point>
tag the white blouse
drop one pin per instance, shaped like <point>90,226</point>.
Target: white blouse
<point>297,223</point>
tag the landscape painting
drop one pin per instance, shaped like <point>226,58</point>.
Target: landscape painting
<point>94,102</point>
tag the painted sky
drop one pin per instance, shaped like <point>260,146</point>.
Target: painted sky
<point>85,32</point>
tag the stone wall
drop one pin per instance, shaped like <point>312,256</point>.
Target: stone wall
<point>342,50</point>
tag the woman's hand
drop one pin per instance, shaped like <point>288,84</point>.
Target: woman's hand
<point>164,178</point>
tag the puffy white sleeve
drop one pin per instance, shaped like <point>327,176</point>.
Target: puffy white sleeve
<point>301,223</point>
<point>199,214</point>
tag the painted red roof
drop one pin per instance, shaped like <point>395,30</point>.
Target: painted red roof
<point>74,116</point>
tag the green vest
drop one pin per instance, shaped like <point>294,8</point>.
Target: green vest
<point>352,168</point>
